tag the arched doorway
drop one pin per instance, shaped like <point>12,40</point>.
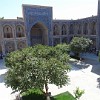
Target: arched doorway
<point>39,34</point>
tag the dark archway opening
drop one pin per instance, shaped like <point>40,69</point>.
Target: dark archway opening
<point>39,34</point>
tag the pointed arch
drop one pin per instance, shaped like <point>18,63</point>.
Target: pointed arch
<point>7,29</point>
<point>39,34</point>
<point>55,29</point>
<point>19,31</point>
<point>64,29</point>
<point>85,28</point>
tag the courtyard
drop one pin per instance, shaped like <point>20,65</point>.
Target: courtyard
<point>85,75</point>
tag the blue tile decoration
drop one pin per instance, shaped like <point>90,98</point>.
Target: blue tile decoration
<point>35,14</point>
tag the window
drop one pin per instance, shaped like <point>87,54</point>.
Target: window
<point>7,31</point>
<point>85,29</point>
<point>19,31</point>
<point>71,29</point>
<point>79,29</point>
<point>64,29</point>
<point>93,28</point>
<point>55,30</point>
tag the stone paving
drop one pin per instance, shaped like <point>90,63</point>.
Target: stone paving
<point>84,79</point>
<point>87,78</point>
<point>4,92</point>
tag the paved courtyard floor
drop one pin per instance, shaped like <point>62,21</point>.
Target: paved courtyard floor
<point>85,75</point>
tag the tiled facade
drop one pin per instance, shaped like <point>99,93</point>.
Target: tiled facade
<point>37,27</point>
<point>12,35</point>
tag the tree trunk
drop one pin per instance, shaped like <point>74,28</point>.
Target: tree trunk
<point>46,88</point>
<point>48,97</point>
<point>47,93</point>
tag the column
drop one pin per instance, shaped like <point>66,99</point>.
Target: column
<point>89,29</point>
<point>98,26</point>
<point>14,36</point>
<point>3,41</point>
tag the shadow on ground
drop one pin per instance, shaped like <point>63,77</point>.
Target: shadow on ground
<point>2,65</point>
<point>96,70</point>
<point>94,65</point>
<point>79,64</point>
<point>2,78</point>
<point>98,80</point>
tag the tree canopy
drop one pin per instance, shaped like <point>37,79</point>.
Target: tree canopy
<point>36,67</point>
<point>63,47</point>
<point>80,44</point>
<point>1,17</point>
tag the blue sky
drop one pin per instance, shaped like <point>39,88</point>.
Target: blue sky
<point>62,9</point>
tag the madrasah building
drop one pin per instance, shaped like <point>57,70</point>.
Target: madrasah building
<point>38,27</point>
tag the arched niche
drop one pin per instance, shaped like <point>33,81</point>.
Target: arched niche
<point>7,29</point>
<point>38,34</point>
<point>20,31</point>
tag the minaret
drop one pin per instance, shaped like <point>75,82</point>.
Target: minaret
<point>98,26</point>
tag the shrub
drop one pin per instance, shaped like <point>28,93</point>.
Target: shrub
<point>78,93</point>
<point>33,94</point>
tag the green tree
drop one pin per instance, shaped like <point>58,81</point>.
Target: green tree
<point>1,17</point>
<point>36,67</point>
<point>80,44</point>
<point>63,47</point>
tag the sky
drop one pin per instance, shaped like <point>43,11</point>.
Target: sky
<point>62,9</point>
